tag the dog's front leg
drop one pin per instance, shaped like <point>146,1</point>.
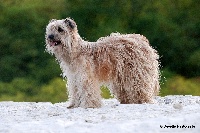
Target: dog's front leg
<point>74,94</point>
<point>90,94</point>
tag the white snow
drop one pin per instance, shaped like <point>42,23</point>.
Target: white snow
<point>113,117</point>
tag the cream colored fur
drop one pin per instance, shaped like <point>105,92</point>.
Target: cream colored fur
<point>126,63</point>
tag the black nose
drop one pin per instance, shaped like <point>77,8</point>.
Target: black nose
<point>51,36</point>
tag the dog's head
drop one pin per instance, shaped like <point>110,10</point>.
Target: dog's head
<point>59,34</point>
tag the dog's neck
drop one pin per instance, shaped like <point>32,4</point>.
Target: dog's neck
<point>70,53</point>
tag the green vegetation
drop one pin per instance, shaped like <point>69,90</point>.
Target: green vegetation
<point>173,84</point>
<point>27,73</point>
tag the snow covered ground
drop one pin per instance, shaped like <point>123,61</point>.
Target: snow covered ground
<point>168,114</point>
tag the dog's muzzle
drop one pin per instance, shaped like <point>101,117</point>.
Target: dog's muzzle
<point>53,41</point>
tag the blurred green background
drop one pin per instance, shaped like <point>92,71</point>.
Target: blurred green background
<point>27,73</point>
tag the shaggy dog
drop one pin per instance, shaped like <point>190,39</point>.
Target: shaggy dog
<point>126,63</point>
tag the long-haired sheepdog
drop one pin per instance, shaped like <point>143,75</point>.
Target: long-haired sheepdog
<point>126,63</point>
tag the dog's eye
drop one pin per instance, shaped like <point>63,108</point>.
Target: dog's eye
<point>60,29</point>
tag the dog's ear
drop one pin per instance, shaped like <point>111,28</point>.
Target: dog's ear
<point>52,20</point>
<point>70,23</point>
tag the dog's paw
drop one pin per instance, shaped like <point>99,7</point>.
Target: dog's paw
<point>71,106</point>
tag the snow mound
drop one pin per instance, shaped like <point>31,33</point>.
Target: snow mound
<point>168,114</point>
